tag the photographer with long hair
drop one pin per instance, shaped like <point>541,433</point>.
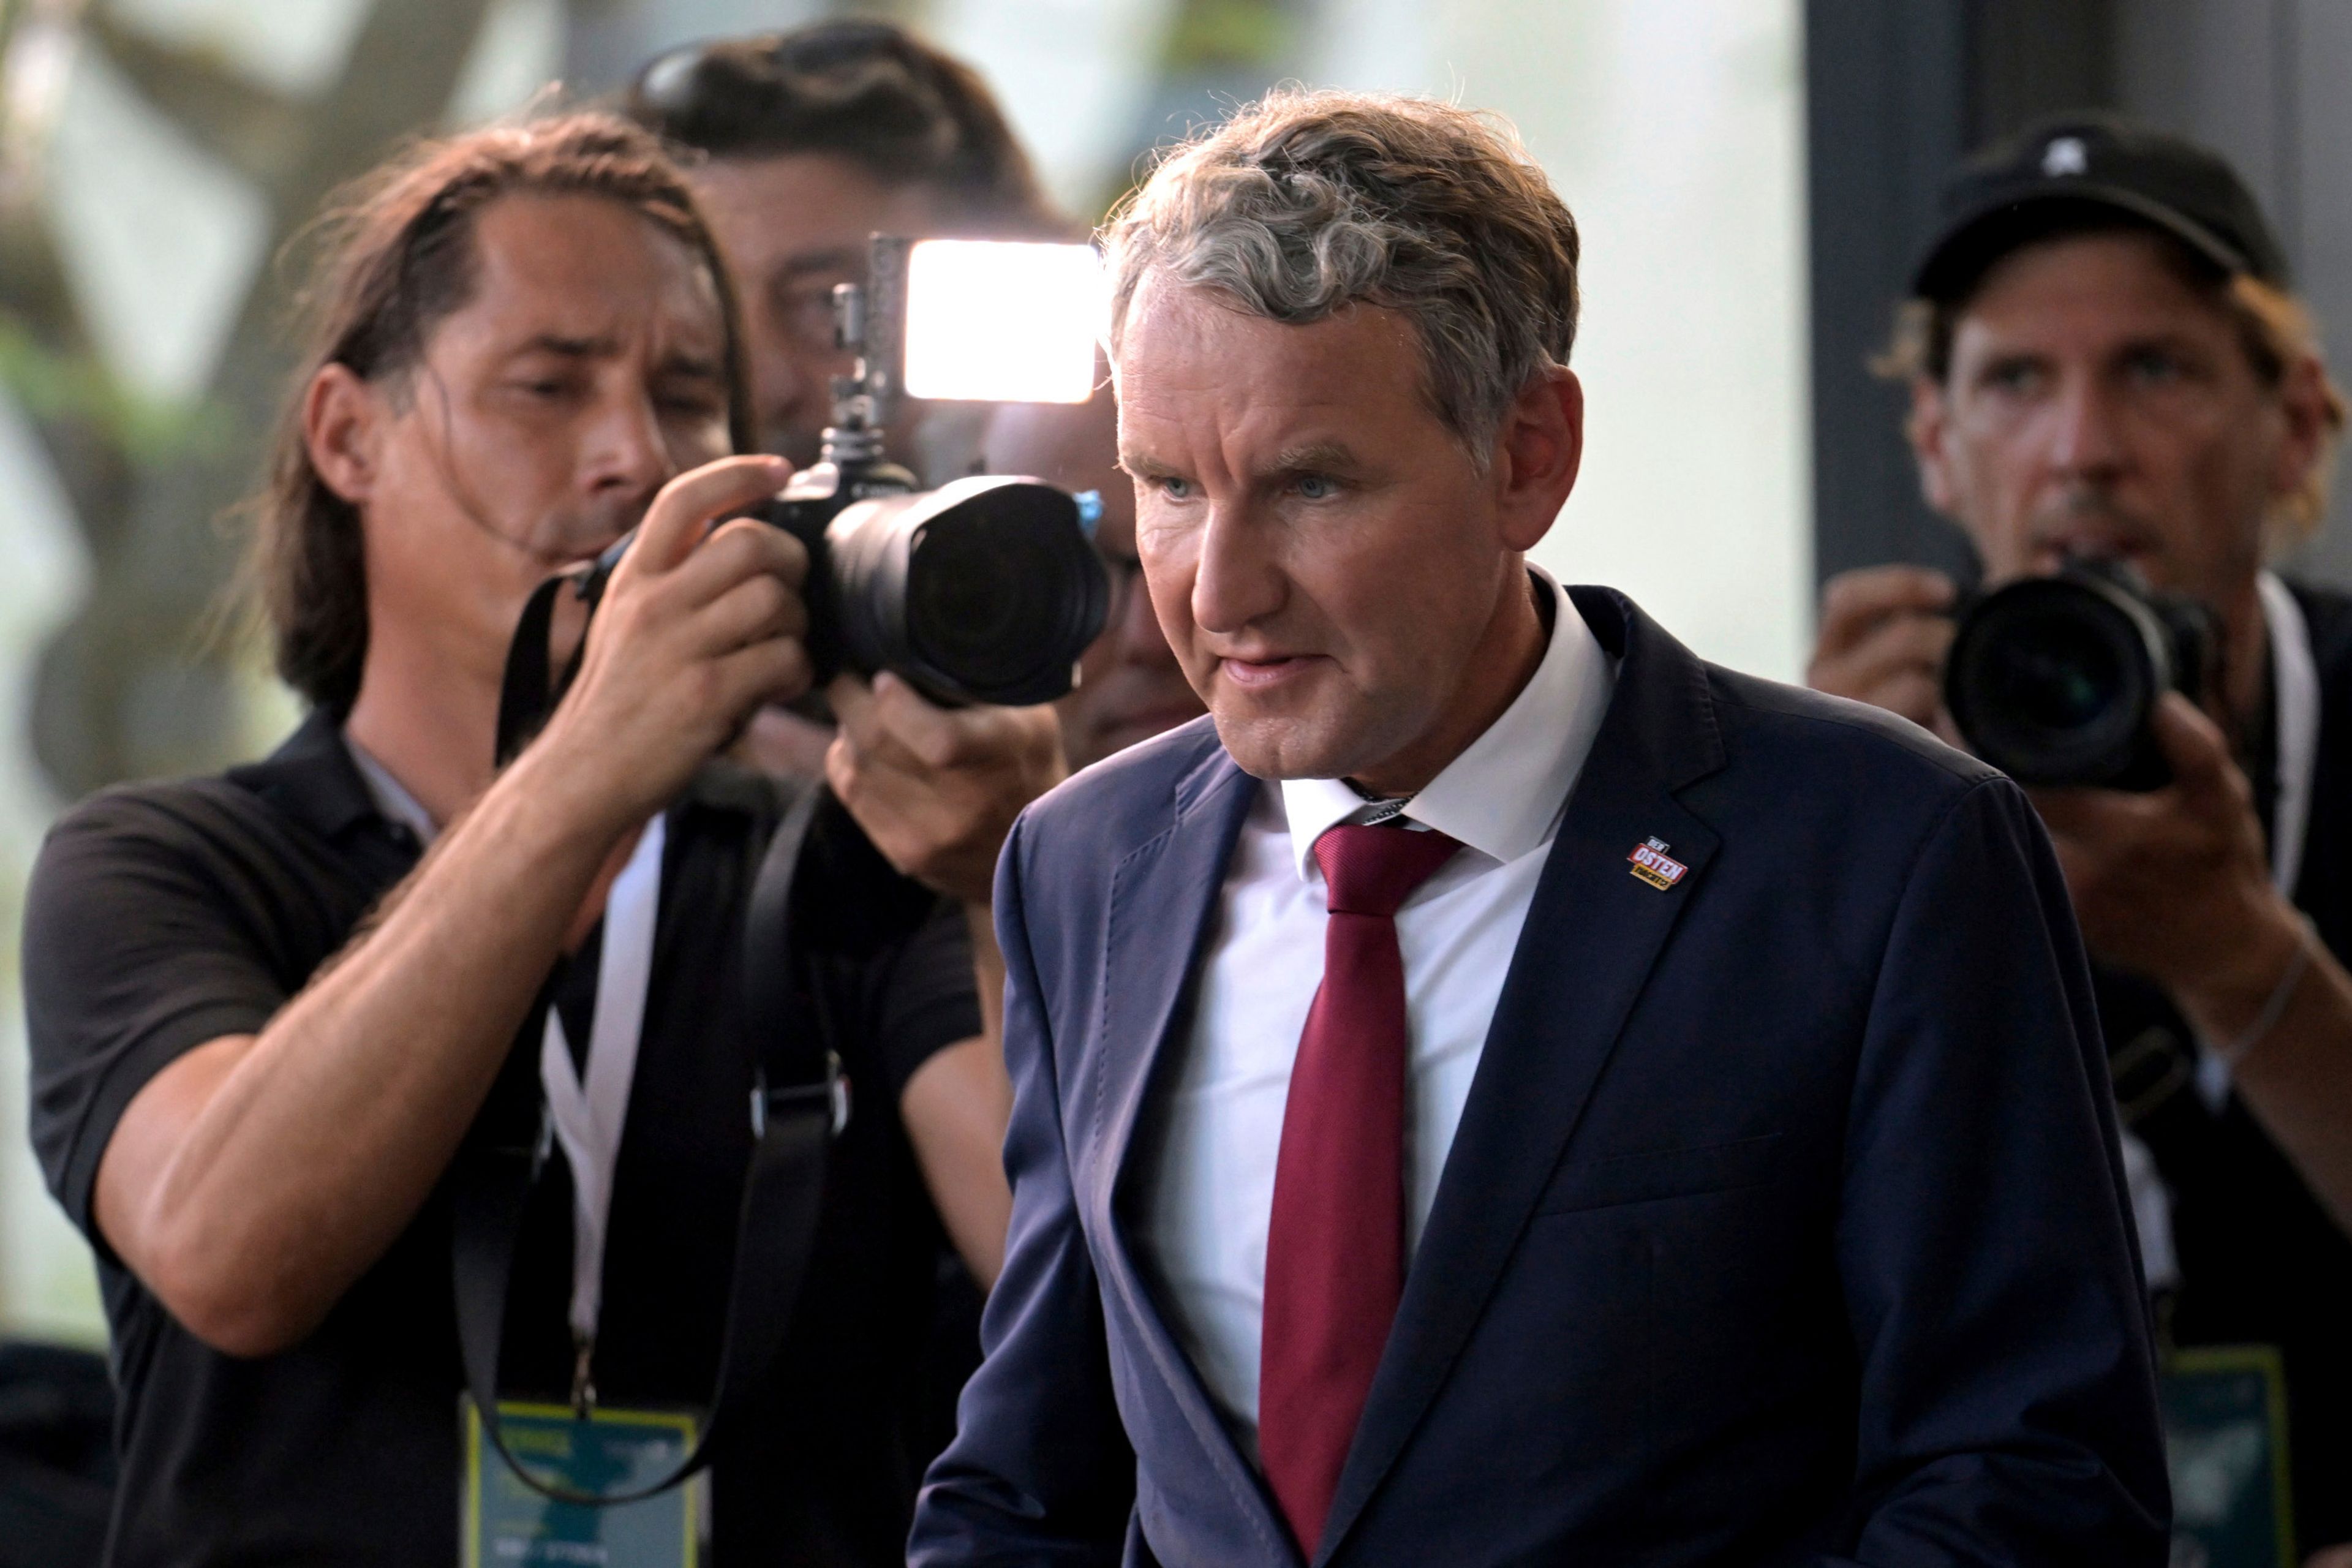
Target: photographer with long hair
<point>267,1008</point>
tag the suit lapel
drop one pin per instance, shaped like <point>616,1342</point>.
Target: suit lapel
<point>1163,900</point>
<point>1164,896</point>
<point>1562,1006</point>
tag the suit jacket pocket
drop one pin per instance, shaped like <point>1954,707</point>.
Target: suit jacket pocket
<point>1612,1179</point>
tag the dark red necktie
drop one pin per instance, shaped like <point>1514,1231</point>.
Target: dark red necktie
<point>1335,1252</point>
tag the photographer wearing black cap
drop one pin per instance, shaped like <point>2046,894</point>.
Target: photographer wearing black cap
<point>2108,367</point>
<point>292,1029</point>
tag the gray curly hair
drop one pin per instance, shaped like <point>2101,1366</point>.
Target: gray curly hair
<point>1304,203</point>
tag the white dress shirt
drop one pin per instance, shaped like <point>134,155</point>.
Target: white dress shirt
<point>1208,1195</point>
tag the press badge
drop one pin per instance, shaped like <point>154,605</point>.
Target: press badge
<point>2224,1409</point>
<point>504,1521</point>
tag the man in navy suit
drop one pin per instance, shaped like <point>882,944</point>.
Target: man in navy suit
<point>1505,1090</point>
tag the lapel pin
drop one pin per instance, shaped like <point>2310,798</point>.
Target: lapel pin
<point>1652,865</point>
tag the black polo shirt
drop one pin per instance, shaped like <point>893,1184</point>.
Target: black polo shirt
<point>2260,1260</point>
<point>163,916</point>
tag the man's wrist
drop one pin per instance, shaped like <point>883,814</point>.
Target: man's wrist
<point>550,798</point>
<point>2234,987</point>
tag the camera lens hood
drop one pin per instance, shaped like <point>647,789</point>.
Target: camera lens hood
<point>983,591</point>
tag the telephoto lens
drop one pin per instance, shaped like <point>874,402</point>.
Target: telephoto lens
<point>2055,679</point>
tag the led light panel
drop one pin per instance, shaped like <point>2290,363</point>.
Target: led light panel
<point>997,322</point>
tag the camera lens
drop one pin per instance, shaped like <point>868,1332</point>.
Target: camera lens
<point>2056,676</point>
<point>1003,593</point>
<point>984,591</point>
<point>2051,680</point>
<point>965,600</point>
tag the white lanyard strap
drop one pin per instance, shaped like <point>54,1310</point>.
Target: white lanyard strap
<point>2296,675</point>
<point>2294,678</point>
<point>588,1118</point>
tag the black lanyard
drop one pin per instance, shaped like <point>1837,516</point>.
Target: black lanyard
<point>797,1109</point>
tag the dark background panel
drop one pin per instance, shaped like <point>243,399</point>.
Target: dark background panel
<point>1885,110</point>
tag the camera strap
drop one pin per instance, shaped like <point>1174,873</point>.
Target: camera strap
<point>798,1106</point>
<point>529,688</point>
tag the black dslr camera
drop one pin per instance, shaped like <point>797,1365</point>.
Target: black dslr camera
<point>2053,679</point>
<point>984,590</point>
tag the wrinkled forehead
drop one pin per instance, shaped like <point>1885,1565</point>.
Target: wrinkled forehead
<point>1203,381</point>
<point>581,268</point>
<point>1171,322</point>
<point>589,252</point>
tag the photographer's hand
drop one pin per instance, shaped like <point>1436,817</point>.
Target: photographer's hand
<point>697,628</point>
<point>2176,884</point>
<point>1884,633</point>
<point>937,788</point>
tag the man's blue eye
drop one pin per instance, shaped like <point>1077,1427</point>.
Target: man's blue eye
<point>1318,486</point>
<point>1176,489</point>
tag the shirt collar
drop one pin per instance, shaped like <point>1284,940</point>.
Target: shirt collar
<point>312,776</point>
<point>1504,795</point>
<point>393,801</point>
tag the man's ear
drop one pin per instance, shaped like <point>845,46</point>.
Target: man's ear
<point>1537,455</point>
<point>2303,399</point>
<point>1930,427</point>
<point>342,424</point>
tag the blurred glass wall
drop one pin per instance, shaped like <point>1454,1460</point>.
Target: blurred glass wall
<point>155,155</point>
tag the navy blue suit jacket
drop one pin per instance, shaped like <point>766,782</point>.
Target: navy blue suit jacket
<point>1784,1224</point>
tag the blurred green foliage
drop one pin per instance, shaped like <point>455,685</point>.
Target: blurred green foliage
<point>77,388</point>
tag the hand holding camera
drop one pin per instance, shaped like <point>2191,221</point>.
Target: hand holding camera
<point>1884,633</point>
<point>2083,685</point>
<point>937,788</point>
<point>697,627</point>
<point>2055,679</point>
<point>2175,883</point>
<point>983,592</point>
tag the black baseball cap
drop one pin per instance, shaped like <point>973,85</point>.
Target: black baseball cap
<point>2084,170</point>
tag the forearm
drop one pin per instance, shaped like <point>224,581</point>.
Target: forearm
<point>955,1109</point>
<point>987,972</point>
<point>268,1174</point>
<point>2297,1076</point>
<point>252,1180</point>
